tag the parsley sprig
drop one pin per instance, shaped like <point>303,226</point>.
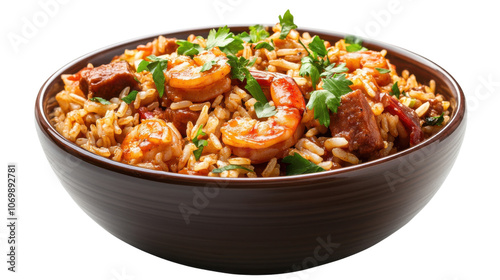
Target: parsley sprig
<point>188,48</point>
<point>100,100</point>
<point>264,45</point>
<point>328,98</point>
<point>395,90</point>
<point>199,143</point>
<point>257,33</point>
<point>239,70</point>
<point>333,69</point>
<point>299,165</point>
<point>208,65</point>
<point>287,24</point>
<point>225,40</point>
<point>222,38</point>
<point>156,65</point>
<point>355,43</point>
<point>130,97</point>
<point>316,64</point>
<point>382,70</point>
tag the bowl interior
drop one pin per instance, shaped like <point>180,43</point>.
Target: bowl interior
<point>422,68</point>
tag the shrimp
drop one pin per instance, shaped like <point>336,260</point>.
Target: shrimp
<point>368,61</point>
<point>260,141</point>
<point>151,137</point>
<point>187,82</point>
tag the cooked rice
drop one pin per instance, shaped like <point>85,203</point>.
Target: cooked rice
<point>101,128</point>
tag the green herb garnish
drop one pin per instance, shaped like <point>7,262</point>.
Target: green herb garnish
<point>258,33</point>
<point>264,110</point>
<point>329,98</point>
<point>434,121</point>
<point>395,90</point>
<point>314,63</point>
<point>317,45</point>
<point>208,65</point>
<point>355,43</point>
<point>312,68</point>
<point>230,167</point>
<point>225,40</point>
<point>188,48</point>
<point>287,24</point>
<point>331,69</point>
<point>383,70</point>
<point>234,47</point>
<point>299,165</point>
<point>220,38</point>
<point>130,97</point>
<point>264,45</point>
<point>244,36</point>
<point>100,100</point>
<point>240,71</point>
<point>200,144</point>
<point>156,67</point>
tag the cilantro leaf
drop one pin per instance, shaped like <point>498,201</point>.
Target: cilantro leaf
<point>395,90</point>
<point>317,45</point>
<point>188,48</point>
<point>310,68</point>
<point>287,24</point>
<point>156,65</point>
<point>257,33</point>
<point>220,38</point>
<point>332,69</point>
<point>264,110</point>
<point>434,121</point>
<point>329,98</point>
<point>130,97</point>
<point>230,167</point>
<point>100,100</point>
<point>383,70</point>
<point>208,65</point>
<point>355,44</point>
<point>264,45</point>
<point>299,165</point>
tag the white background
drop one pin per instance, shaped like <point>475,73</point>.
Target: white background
<point>455,237</point>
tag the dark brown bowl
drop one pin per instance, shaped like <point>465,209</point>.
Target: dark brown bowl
<point>263,225</point>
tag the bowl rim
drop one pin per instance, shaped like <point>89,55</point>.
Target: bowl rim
<point>49,130</point>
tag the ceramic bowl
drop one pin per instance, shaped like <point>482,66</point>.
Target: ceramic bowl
<point>262,225</point>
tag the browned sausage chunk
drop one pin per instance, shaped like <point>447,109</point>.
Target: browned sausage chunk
<point>356,122</point>
<point>108,80</point>
<point>181,117</point>
<point>170,45</point>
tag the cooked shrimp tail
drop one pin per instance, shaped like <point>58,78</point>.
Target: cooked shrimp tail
<point>262,140</point>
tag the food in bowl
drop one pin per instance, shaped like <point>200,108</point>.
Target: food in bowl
<point>252,104</point>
